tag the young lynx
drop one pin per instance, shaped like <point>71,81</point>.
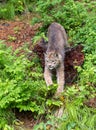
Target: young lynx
<point>54,57</point>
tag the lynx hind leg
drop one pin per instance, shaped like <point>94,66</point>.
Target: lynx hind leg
<point>60,79</point>
<point>48,76</point>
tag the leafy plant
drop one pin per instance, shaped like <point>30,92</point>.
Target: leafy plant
<point>6,117</point>
<point>71,15</point>
<point>18,5</point>
<point>7,11</point>
<point>76,115</point>
<point>11,8</point>
<point>73,118</point>
<point>11,38</point>
<point>22,85</point>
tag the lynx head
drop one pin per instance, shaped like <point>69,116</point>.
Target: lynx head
<point>52,60</point>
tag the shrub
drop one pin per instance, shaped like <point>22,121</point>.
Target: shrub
<point>6,117</point>
<point>11,8</point>
<point>7,11</point>
<point>21,84</point>
<point>71,15</point>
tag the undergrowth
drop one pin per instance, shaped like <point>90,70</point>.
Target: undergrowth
<point>10,8</point>
<point>21,81</point>
<point>22,86</point>
<point>78,18</point>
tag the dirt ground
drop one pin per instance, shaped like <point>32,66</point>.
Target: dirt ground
<point>16,33</point>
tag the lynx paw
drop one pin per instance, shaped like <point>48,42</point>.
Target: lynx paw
<point>59,92</point>
<point>49,83</point>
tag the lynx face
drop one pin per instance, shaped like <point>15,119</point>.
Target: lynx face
<point>52,60</point>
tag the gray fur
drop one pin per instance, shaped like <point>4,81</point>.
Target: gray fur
<point>57,39</point>
<point>54,57</point>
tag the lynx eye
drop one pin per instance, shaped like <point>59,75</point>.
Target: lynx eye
<point>56,55</point>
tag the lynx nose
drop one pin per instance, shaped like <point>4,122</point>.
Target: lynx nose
<point>50,67</point>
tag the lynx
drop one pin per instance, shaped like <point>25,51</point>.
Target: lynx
<point>54,57</point>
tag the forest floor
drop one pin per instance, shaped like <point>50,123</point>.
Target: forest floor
<point>15,34</point>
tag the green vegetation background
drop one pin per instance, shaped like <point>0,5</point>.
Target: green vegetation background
<point>21,81</point>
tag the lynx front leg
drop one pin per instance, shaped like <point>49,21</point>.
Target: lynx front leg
<point>60,79</point>
<point>47,77</point>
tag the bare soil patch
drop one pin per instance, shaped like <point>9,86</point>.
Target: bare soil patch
<point>16,33</point>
